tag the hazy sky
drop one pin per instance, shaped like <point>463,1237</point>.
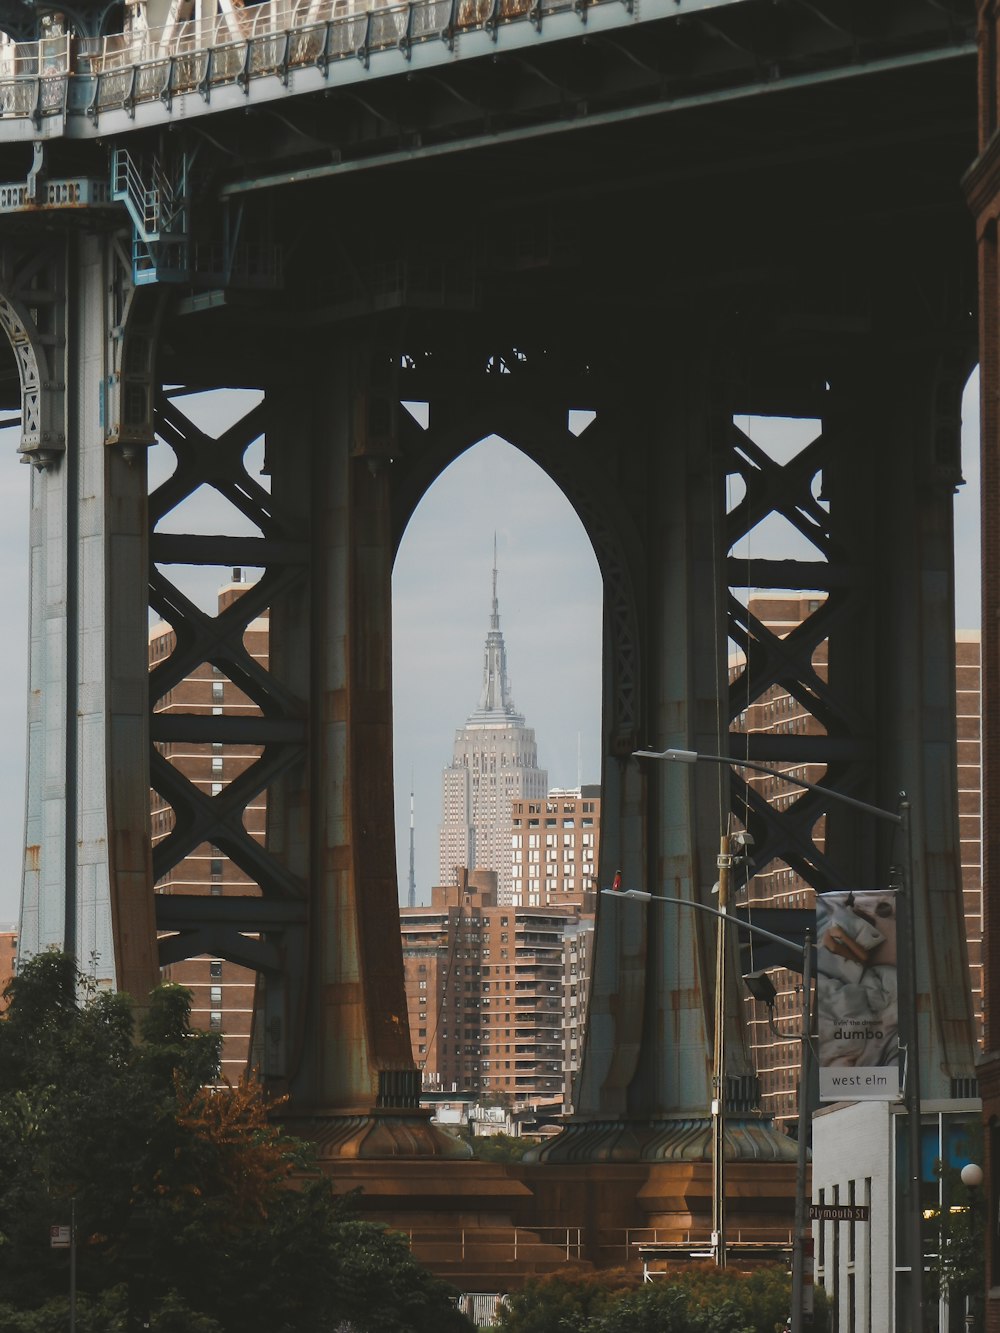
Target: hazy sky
<point>550,613</point>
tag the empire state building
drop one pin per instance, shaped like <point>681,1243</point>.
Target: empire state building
<point>495,762</point>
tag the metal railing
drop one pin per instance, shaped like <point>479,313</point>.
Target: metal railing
<point>86,76</point>
<point>624,1246</point>
<point>497,1245</point>
<point>33,77</point>
<point>639,1249</point>
<point>149,202</point>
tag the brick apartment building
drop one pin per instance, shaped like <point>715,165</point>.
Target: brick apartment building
<point>222,992</point>
<point>554,845</point>
<point>968,699</point>
<point>8,961</point>
<point>496,994</point>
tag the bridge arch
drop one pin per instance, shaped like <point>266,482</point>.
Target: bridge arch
<point>659,626</point>
<point>578,466</point>
<point>550,602</point>
<point>34,330</point>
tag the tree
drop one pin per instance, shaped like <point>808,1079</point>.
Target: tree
<point>564,1301</point>
<point>500,1147</point>
<point>192,1206</point>
<point>667,1307</point>
<point>696,1298</point>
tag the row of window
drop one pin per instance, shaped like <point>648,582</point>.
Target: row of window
<point>551,856</point>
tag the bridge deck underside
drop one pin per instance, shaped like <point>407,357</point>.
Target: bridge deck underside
<point>840,207</point>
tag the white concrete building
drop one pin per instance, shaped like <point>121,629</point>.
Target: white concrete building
<point>860,1157</point>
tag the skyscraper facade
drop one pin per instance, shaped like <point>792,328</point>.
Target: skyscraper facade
<point>495,762</point>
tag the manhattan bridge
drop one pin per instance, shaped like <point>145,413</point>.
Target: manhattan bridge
<point>670,213</point>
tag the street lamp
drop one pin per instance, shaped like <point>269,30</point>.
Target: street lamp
<point>718,1147</point>
<point>901,819</point>
<point>971,1177</point>
<point>761,987</point>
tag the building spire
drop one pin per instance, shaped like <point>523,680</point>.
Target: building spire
<point>495,702</point>
<point>495,615</point>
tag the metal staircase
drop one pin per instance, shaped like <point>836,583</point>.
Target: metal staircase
<point>159,208</point>
<point>228,251</point>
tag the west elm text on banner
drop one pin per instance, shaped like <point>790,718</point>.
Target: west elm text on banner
<point>857,996</point>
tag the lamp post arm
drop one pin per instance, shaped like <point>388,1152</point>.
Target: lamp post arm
<point>696,756</point>
<point>737,921</point>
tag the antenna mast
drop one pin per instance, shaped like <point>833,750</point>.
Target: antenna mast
<point>411,896</point>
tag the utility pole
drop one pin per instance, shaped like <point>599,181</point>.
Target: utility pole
<point>719,1061</point>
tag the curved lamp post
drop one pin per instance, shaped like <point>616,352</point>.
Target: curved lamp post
<point>911,1078</point>
<point>806,948</point>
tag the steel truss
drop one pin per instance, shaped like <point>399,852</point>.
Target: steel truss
<point>792,491</point>
<point>267,933</point>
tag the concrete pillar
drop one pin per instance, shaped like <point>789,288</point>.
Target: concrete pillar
<point>350,1060</point>
<point>893,470</point>
<point>87,879</point>
<point>647,1069</point>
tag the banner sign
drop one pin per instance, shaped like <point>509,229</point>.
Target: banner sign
<point>857,996</point>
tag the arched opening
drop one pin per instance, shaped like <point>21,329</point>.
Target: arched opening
<point>549,600</point>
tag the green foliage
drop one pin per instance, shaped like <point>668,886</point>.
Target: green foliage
<point>183,1195</point>
<point>697,1298</point>
<point>500,1147</point>
<point>107,1313</point>
<point>565,1301</point>
<point>665,1307</point>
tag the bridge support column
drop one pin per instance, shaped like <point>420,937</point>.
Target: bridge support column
<point>349,1068</point>
<point>68,307</point>
<point>895,652</point>
<point>645,1088</point>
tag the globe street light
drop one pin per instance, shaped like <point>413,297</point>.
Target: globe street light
<point>901,819</point>
<point>971,1177</point>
